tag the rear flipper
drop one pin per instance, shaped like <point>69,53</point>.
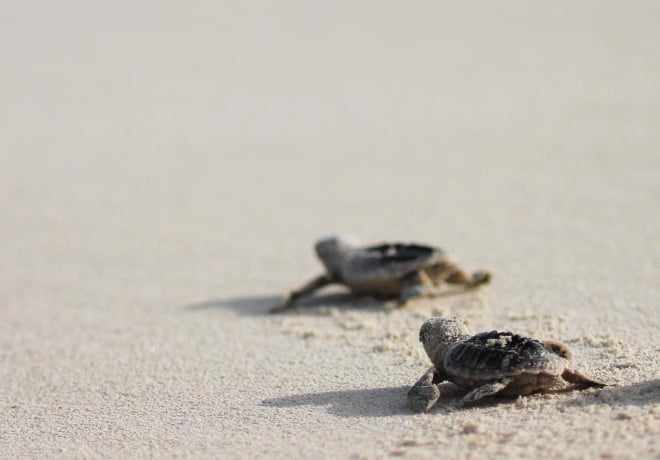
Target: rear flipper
<point>582,381</point>
<point>458,276</point>
<point>480,277</point>
<point>488,389</point>
<point>425,393</point>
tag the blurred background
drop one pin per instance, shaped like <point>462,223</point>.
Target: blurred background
<point>159,152</point>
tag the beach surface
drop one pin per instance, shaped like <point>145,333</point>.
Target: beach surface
<point>166,167</point>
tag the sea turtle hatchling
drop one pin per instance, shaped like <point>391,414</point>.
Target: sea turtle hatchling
<point>388,271</point>
<point>489,363</point>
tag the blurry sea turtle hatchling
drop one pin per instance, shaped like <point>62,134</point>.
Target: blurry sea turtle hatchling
<point>490,363</point>
<point>387,271</point>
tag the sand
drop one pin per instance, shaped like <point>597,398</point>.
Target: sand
<point>166,168</point>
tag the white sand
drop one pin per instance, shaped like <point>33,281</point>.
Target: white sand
<point>165,169</point>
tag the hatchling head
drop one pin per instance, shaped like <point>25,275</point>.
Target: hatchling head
<point>331,251</point>
<point>439,334</point>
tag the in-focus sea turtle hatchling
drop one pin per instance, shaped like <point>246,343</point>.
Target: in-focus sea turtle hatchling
<point>388,271</point>
<point>490,363</point>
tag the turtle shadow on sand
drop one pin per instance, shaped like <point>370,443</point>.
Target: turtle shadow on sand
<point>261,305</point>
<point>636,394</point>
<point>374,402</point>
<point>312,305</point>
<point>247,305</point>
<point>380,402</point>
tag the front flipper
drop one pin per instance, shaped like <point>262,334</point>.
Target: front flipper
<point>315,284</point>
<point>416,286</point>
<point>425,393</point>
<point>488,389</point>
